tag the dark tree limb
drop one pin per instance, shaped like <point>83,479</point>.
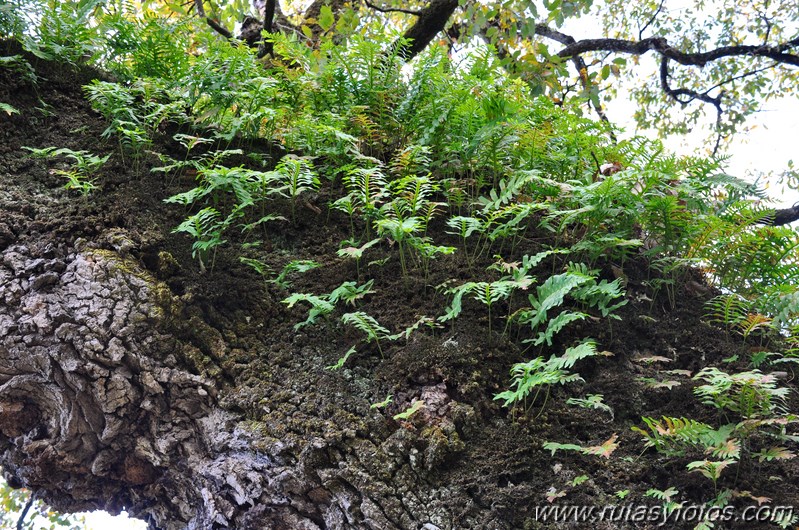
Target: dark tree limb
<point>677,94</point>
<point>266,46</point>
<point>252,28</point>
<point>216,26</point>
<point>315,10</point>
<point>431,20</point>
<point>778,53</point>
<point>24,514</point>
<point>782,217</point>
<point>573,49</point>
<point>370,5</point>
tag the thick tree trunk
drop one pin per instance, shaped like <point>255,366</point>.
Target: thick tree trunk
<point>185,399</point>
<point>102,406</point>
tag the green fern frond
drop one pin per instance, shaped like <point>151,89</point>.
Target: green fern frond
<point>548,296</point>
<point>368,325</point>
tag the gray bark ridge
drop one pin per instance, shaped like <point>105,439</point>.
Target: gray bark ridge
<point>101,406</point>
<point>93,408</point>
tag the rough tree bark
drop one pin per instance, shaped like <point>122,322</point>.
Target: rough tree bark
<point>119,389</point>
<point>98,409</point>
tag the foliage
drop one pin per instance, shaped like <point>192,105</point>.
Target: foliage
<point>450,161</point>
<point>592,401</point>
<point>579,282</point>
<point>65,31</point>
<point>415,407</point>
<point>751,394</point>
<point>538,374</point>
<point>297,265</point>
<point>81,175</point>
<point>38,516</point>
<point>319,307</point>
<point>675,436</point>
<point>604,450</point>
<point>369,326</point>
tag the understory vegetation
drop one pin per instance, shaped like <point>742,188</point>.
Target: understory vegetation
<point>448,164</point>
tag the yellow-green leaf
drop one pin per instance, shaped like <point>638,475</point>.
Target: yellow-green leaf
<point>326,18</point>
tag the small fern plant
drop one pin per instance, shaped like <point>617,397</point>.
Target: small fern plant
<point>538,374</point>
<point>369,326</point>
<point>81,175</point>
<point>487,293</point>
<point>295,177</point>
<point>579,283</point>
<point>751,394</point>
<point>320,306</point>
<point>206,227</point>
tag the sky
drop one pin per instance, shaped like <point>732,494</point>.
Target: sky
<point>104,521</point>
<point>765,149</point>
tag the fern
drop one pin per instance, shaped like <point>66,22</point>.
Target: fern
<point>369,326</point>
<point>487,293</point>
<point>8,109</point>
<point>340,363</point>
<point>296,177</point>
<point>751,394</point>
<point>592,401</point>
<point>319,307</point>
<point>601,295</point>
<point>537,374</point>
<point>727,309</point>
<point>464,226</point>
<point>673,436</point>
<point>367,187</point>
<point>301,266</point>
<point>206,227</point>
<point>548,296</point>
<point>350,292</point>
<point>356,253</point>
<point>507,191</point>
<point>555,325</point>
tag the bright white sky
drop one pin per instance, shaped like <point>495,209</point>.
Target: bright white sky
<point>104,521</point>
<point>767,148</point>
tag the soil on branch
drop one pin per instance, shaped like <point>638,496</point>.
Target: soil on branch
<point>130,379</point>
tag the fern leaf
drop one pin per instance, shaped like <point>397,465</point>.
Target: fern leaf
<point>366,323</point>
<point>554,326</point>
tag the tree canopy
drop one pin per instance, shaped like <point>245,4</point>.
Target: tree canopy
<point>681,63</point>
<point>730,56</point>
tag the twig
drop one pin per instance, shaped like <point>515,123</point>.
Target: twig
<point>211,22</point>
<point>24,513</point>
<point>392,9</point>
<point>651,20</point>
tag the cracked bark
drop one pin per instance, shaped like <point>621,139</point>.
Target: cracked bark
<point>99,408</point>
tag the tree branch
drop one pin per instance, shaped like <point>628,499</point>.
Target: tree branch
<point>782,217</point>
<point>21,520</point>
<point>392,9</point>
<point>651,20</point>
<point>266,47</point>
<point>579,64</point>
<point>431,20</point>
<point>661,46</point>
<point>211,22</point>
<point>692,95</point>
